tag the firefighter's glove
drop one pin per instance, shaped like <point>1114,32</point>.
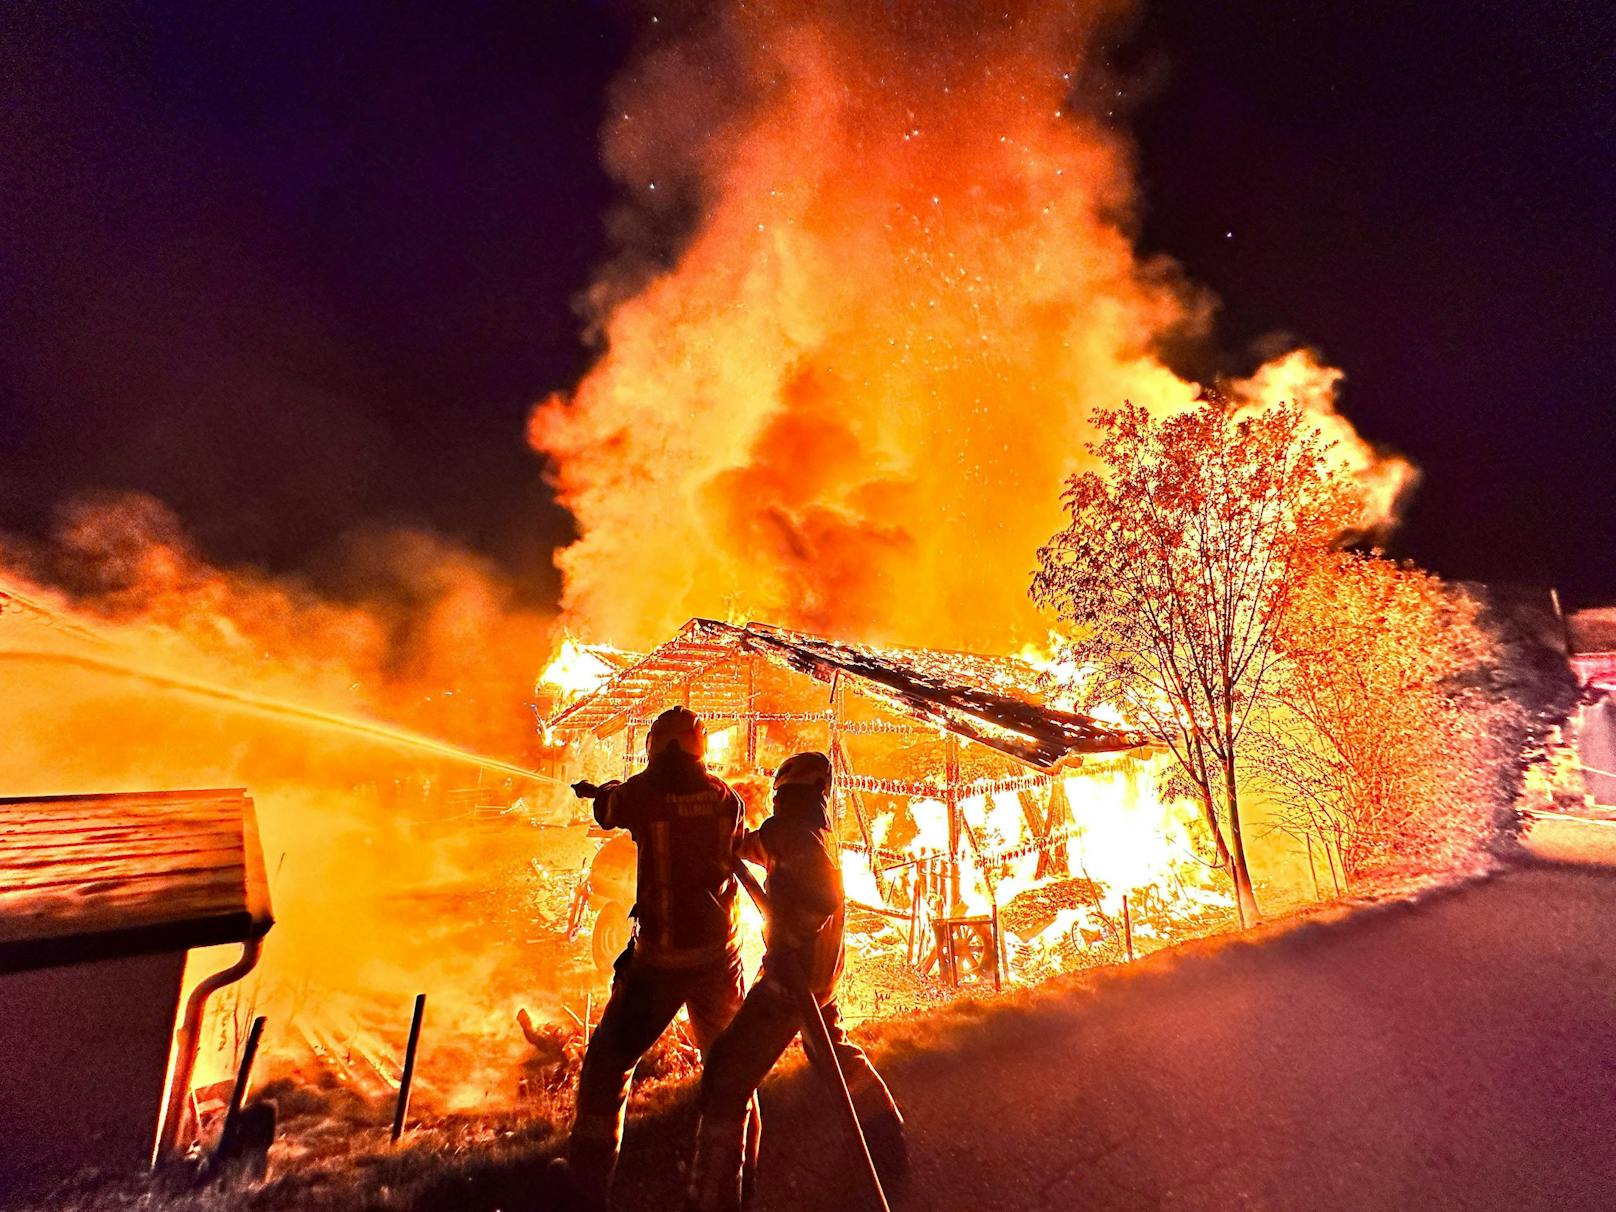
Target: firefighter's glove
<point>585,790</point>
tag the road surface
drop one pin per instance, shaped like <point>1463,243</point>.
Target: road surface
<point>1458,1052</point>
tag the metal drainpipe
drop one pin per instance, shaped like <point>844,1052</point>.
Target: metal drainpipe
<point>190,1036</point>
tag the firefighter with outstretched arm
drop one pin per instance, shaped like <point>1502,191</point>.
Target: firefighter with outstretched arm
<point>684,951</point>
<point>803,939</point>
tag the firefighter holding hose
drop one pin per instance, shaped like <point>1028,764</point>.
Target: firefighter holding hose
<point>803,957</point>
<point>686,823</point>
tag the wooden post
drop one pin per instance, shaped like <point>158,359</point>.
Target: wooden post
<point>998,952</point>
<point>951,777</point>
<point>407,1078</point>
<point>833,744</point>
<point>751,713</point>
<point>238,1092</point>
<point>1334,878</point>
<point>1311,869</point>
<point>1127,927</point>
<point>916,891</point>
<point>841,767</point>
<point>629,738</point>
<point>1053,858</point>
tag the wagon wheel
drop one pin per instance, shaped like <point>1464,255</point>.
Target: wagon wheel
<point>973,950</point>
<point>610,936</point>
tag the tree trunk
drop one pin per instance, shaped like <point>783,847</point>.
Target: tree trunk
<point>1250,915</point>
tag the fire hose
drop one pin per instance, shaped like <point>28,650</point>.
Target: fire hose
<point>813,1023</point>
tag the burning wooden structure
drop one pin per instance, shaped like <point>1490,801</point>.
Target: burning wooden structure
<point>101,899</point>
<point>929,747</point>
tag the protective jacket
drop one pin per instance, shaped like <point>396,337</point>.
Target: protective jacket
<point>804,885</point>
<point>686,824</point>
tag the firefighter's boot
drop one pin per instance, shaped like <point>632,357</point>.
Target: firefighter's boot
<point>715,1171</point>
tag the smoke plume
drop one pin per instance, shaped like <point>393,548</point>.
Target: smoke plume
<point>849,402</point>
<point>134,663</point>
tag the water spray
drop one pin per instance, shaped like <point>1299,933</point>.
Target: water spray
<point>244,700</point>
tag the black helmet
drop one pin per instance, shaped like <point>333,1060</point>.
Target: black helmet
<point>810,769</point>
<point>677,725</point>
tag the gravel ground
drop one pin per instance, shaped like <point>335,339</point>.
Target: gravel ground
<point>1455,1052</point>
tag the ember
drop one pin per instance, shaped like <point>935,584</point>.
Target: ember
<point>849,404</point>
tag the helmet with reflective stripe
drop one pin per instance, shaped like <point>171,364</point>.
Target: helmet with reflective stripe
<point>807,769</point>
<point>677,726</point>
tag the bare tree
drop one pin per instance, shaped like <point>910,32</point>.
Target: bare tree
<point>1177,569</point>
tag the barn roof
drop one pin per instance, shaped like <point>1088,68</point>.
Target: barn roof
<point>87,877</point>
<point>995,701</point>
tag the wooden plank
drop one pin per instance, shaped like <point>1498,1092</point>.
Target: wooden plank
<point>93,872</point>
<point>19,823</point>
<point>74,848</point>
<point>54,913</point>
<point>92,797</point>
<point>116,809</point>
<point>170,815</point>
<point>57,866</point>
<point>22,832</point>
<point>159,894</point>
<point>257,878</point>
<point>89,804</point>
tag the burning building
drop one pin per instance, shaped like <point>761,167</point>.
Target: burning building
<point>962,789</point>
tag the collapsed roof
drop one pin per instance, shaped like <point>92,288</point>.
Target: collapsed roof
<point>995,701</point>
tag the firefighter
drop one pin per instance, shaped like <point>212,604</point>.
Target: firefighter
<point>683,951</point>
<point>803,943</point>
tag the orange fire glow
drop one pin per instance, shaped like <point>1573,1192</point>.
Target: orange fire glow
<point>850,403</point>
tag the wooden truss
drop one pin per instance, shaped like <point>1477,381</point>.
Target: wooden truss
<point>988,706</point>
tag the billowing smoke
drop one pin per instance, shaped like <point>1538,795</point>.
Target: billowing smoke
<point>133,663</point>
<point>849,402</point>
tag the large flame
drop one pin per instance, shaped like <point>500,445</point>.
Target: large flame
<point>573,671</point>
<point>851,402</point>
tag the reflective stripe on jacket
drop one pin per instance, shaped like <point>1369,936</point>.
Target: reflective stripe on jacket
<point>685,824</point>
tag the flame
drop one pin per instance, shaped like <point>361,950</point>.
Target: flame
<point>718,746</point>
<point>574,671</point>
<point>1127,835</point>
<point>1384,479</point>
<point>850,402</point>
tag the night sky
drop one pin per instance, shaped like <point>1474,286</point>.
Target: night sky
<point>301,268</point>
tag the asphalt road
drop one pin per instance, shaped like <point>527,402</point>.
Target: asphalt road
<point>1457,1052</point>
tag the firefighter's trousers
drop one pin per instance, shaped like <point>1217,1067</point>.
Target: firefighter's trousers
<point>740,1059</point>
<point>643,1002</point>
